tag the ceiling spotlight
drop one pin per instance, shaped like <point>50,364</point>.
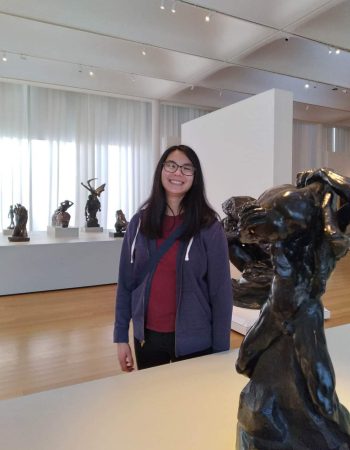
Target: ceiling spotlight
<point>162,6</point>
<point>173,7</point>
<point>337,51</point>
<point>4,57</point>
<point>306,85</point>
<point>91,73</point>
<point>330,50</point>
<point>207,18</point>
<point>144,52</point>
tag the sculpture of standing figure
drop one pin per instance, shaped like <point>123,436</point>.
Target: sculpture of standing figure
<point>290,401</point>
<point>20,231</point>
<point>120,224</point>
<point>11,216</point>
<point>61,217</point>
<point>93,204</point>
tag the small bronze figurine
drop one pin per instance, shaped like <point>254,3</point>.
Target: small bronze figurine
<point>290,401</point>
<point>11,216</point>
<point>61,217</point>
<point>20,230</point>
<point>121,224</point>
<point>93,204</point>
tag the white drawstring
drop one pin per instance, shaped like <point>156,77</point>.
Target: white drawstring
<point>187,257</point>
<point>134,243</point>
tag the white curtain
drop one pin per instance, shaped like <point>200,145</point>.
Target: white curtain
<point>52,140</point>
<point>317,145</point>
<point>338,139</point>
<point>309,146</point>
<point>171,119</point>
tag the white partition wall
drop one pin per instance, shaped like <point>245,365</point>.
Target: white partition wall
<point>244,148</point>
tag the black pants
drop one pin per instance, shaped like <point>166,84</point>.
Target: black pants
<point>158,349</point>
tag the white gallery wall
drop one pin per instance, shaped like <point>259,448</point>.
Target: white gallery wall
<point>244,148</point>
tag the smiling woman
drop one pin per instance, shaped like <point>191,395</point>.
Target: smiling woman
<point>174,278</point>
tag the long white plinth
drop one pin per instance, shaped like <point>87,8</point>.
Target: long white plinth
<point>47,263</point>
<point>189,405</point>
<point>244,318</point>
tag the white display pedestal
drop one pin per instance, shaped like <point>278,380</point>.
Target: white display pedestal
<point>92,229</point>
<point>7,232</point>
<point>188,405</point>
<point>58,232</point>
<point>244,318</point>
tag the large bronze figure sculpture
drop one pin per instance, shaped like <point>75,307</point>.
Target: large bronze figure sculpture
<point>251,290</point>
<point>93,204</point>
<point>290,401</point>
<point>20,230</point>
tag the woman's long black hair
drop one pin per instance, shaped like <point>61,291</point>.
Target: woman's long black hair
<point>194,206</point>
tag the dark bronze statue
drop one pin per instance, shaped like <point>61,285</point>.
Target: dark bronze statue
<point>290,401</point>
<point>251,290</point>
<point>61,217</point>
<point>120,224</point>
<point>93,204</point>
<point>11,216</point>
<point>20,230</point>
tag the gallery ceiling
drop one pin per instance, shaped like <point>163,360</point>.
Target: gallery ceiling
<point>136,48</point>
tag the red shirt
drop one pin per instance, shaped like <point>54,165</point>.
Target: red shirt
<point>161,311</point>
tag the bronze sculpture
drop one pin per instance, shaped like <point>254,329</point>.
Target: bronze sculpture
<point>20,230</point>
<point>290,401</point>
<point>11,216</point>
<point>251,290</point>
<point>93,204</point>
<point>61,217</point>
<point>120,224</point>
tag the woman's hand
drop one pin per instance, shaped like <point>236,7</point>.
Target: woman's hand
<point>125,358</point>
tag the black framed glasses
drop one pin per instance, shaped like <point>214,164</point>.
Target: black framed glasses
<point>172,166</point>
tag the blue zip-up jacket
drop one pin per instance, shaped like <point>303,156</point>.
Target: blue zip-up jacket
<point>203,289</point>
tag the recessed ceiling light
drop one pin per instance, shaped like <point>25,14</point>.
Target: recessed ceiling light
<point>330,50</point>
<point>173,7</point>
<point>4,57</point>
<point>144,52</point>
<point>91,73</point>
<point>207,18</point>
<point>162,6</point>
<point>306,85</point>
<point>337,51</point>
